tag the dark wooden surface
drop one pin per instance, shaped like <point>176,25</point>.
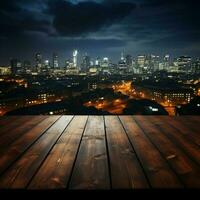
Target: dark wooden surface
<point>99,152</point>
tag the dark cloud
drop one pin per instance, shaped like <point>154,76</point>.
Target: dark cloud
<point>85,17</point>
<point>17,17</point>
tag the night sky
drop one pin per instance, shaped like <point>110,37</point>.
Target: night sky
<point>98,27</point>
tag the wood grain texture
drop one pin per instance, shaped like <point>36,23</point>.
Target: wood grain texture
<point>126,172</point>
<point>156,168</point>
<point>12,135</point>
<point>99,152</point>
<point>56,170</point>
<point>180,139</point>
<point>23,143</point>
<point>91,167</point>
<point>19,175</point>
<point>187,171</point>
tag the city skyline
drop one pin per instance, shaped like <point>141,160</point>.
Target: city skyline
<point>137,27</point>
<point>81,55</point>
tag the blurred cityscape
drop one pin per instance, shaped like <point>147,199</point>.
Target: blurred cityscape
<point>145,84</point>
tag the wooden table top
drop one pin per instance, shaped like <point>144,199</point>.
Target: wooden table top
<point>99,152</point>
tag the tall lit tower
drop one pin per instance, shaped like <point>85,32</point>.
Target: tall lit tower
<point>122,56</point>
<point>166,62</point>
<point>55,61</point>
<point>75,58</point>
<point>38,61</point>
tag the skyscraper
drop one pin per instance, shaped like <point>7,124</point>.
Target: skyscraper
<point>129,62</point>
<point>183,63</point>
<point>27,67</point>
<point>16,66</point>
<point>122,66</point>
<point>73,69</point>
<point>55,61</point>
<point>38,61</point>
<point>98,62</point>
<point>141,63</point>
<point>85,63</point>
<point>166,62</point>
<point>75,58</point>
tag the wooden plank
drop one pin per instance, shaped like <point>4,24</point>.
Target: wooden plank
<point>157,170</point>
<point>56,170</point>
<point>6,119</point>
<point>190,129</point>
<point>185,168</point>
<point>13,123</point>
<point>126,172</point>
<point>194,118</point>
<point>192,150</point>
<point>91,166</point>
<point>13,135</point>
<point>19,175</point>
<point>23,143</point>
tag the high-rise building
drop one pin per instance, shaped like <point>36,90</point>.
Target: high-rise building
<point>68,64</point>
<point>129,60</point>
<point>166,62</point>
<point>98,62</point>
<point>75,58</point>
<point>72,68</point>
<point>38,61</point>
<point>4,70</point>
<point>45,67</point>
<point>16,67</point>
<point>122,65</point>
<point>154,64</point>
<point>183,63</point>
<point>46,64</point>
<point>27,67</point>
<point>105,63</point>
<point>141,63</point>
<point>129,63</point>
<point>105,66</point>
<point>55,61</point>
<point>85,65</point>
<point>196,66</point>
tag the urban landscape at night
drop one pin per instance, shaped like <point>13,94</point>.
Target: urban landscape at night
<point>145,84</point>
<point>100,95</point>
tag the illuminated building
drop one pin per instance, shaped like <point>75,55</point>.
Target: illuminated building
<point>38,61</point>
<point>196,66</point>
<point>85,65</point>
<point>155,63</point>
<point>105,63</point>
<point>122,66</point>
<point>141,60</point>
<point>75,58</point>
<point>16,67</point>
<point>27,67</point>
<point>98,62</point>
<point>105,66</point>
<point>140,63</point>
<point>93,71</point>
<point>5,70</point>
<point>55,61</point>
<point>183,64</point>
<point>168,96</point>
<point>129,60</point>
<point>46,67</point>
<point>92,86</point>
<point>68,64</point>
<point>166,62</point>
<point>72,66</point>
